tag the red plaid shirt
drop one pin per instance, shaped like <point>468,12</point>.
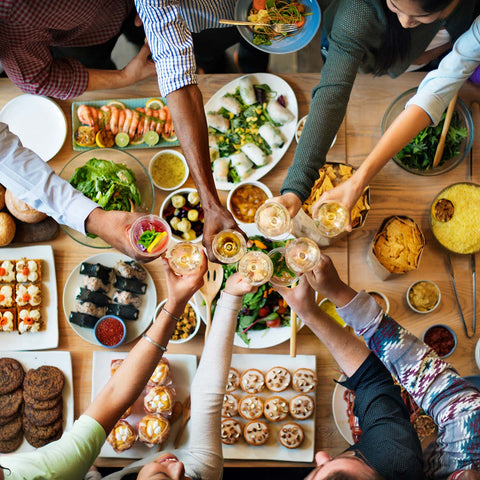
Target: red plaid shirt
<point>28,28</point>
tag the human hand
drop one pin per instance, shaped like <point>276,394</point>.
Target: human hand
<point>140,67</point>
<point>300,298</point>
<point>238,286</point>
<point>290,201</point>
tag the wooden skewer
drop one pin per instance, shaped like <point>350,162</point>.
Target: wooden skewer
<point>443,136</point>
<point>293,335</point>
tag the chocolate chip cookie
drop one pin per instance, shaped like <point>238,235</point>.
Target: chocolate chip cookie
<point>43,417</point>
<point>44,383</point>
<point>42,432</point>
<point>40,442</point>
<point>41,404</point>
<point>9,446</point>
<point>11,375</point>
<point>10,403</point>
<point>11,430</point>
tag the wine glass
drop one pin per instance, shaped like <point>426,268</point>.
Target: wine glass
<point>302,255</point>
<point>229,246</point>
<point>331,218</point>
<point>256,267</point>
<point>185,258</point>
<point>273,220</point>
<point>282,275</point>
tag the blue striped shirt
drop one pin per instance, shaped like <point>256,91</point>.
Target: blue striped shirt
<point>168,25</point>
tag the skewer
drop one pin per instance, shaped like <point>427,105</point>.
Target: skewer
<point>293,335</point>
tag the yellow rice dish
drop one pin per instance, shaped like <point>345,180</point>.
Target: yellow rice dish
<point>455,218</point>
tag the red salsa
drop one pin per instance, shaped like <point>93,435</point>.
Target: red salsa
<point>110,331</point>
<point>439,339</point>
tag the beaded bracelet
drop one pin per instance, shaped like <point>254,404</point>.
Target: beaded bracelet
<point>178,319</point>
<point>154,343</point>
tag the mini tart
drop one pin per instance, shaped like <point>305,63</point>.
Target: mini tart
<point>277,379</point>
<point>7,271</point>
<point>256,432</point>
<point>122,437</point>
<point>161,375</point>
<point>275,409</point>
<point>115,365</point>
<point>230,406</point>
<point>160,400</point>
<point>301,407</point>
<point>291,435</point>
<point>28,271</point>
<point>233,380</point>
<point>127,412</point>
<point>252,381</point>
<point>250,407</point>
<point>28,294</point>
<point>29,320</point>
<point>153,429</point>
<point>230,431</point>
<point>7,298</point>
<point>8,319</point>
<point>304,380</point>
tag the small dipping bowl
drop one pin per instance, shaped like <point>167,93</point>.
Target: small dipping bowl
<point>299,129</point>
<point>421,296</point>
<point>178,328</point>
<point>381,299</point>
<point>165,166</point>
<point>328,307</point>
<point>110,331</point>
<point>441,338</point>
<point>247,190</point>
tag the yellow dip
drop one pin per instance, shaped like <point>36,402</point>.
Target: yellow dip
<point>167,170</point>
<point>329,308</point>
<point>423,296</point>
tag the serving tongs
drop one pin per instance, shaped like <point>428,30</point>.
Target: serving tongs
<point>448,262</point>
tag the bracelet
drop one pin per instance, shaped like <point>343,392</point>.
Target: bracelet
<point>178,319</point>
<point>154,343</point>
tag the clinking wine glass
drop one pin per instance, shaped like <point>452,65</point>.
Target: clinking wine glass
<point>302,255</point>
<point>283,275</point>
<point>331,218</point>
<point>256,267</point>
<point>185,258</point>
<point>229,246</point>
<point>273,220</point>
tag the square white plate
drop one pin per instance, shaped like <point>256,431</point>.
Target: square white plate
<point>183,368</point>
<point>61,360</point>
<point>47,338</point>
<point>273,450</point>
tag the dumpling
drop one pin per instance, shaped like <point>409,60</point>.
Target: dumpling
<point>247,92</point>
<point>231,104</point>
<point>271,135</point>
<point>241,164</point>
<point>220,169</point>
<point>255,154</point>
<point>278,113</point>
<point>218,122</point>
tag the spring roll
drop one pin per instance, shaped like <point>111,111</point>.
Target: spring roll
<point>218,122</point>
<point>247,91</point>
<point>231,104</point>
<point>255,154</point>
<point>241,164</point>
<point>278,113</point>
<point>220,169</point>
<point>271,135</point>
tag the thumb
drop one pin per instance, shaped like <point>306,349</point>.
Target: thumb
<point>138,21</point>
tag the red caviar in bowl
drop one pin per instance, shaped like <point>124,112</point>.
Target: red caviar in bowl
<point>110,331</point>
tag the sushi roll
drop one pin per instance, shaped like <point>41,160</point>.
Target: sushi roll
<point>125,312</point>
<point>131,269</point>
<point>83,319</point>
<point>96,270</point>
<point>255,154</point>
<point>230,103</point>
<point>127,298</point>
<point>271,135</point>
<point>278,113</point>
<point>131,285</point>
<point>221,167</point>
<point>98,298</point>
<point>94,284</point>
<point>247,92</point>
<point>218,122</point>
<point>90,308</point>
<point>241,164</point>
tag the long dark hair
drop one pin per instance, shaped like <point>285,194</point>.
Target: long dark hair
<point>396,39</point>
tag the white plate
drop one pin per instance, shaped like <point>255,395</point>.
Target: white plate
<point>47,338</point>
<point>183,370</point>
<point>134,327</point>
<point>258,338</point>
<point>61,360</point>
<point>339,408</point>
<point>273,450</point>
<point>38,121</point>
<point>281,87</point>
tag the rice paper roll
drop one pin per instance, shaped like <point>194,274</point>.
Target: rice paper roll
<point>271,135</point>
<point>231,104</point>
<point>247,92</point>
<point>255,154</point>
<point>220,169</point>
<point>241,164</point>
<point>218,122</point>
<point>213,141</point>
<point>278,113</point>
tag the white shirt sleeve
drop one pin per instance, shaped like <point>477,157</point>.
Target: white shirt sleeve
<point>440,86</point>
<point>30,179</point>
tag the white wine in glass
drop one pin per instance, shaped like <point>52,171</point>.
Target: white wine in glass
<point>283,275</point>
<point>255,267</point>
<point>229,246</point>
<point>185,258</point>
<point>302,255</point>
<point>331,218</point>
<point>273,220</point>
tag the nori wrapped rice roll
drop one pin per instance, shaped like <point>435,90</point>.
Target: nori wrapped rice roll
<point>83,319</point>
<point>130,285</point>
<point>96,270</point>
<point>98,298</point>
<point>125,312</point>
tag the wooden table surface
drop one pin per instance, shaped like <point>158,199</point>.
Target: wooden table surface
<point>394,191</point>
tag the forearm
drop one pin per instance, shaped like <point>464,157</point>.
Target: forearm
<point>106,79</point>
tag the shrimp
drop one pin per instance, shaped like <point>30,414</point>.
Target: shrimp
<point>121,119</point>
<point>158,122</point>
<point>134,124</point>
<point>149,123</point>
<point>141,127</point>
<point>128,120</point>
<point>114,119</point>
<point>168,125</point>
<point>84,114</point>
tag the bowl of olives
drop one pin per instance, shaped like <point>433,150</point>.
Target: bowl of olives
<point>184,213</point>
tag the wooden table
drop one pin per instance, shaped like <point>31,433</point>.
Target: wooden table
<point>391,194</point>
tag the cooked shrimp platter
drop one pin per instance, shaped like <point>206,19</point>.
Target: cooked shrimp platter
<point>126,123</point>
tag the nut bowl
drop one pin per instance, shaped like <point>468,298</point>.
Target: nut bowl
<point>465,117</point>
<point>190,309</point>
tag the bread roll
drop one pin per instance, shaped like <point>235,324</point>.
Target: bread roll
<point>7,228</point>
<point>19,209</point>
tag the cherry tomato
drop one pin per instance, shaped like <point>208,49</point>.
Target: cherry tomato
<point>274,323</point>
<point>263,312</point>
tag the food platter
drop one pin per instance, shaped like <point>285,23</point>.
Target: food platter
<point>273,450</point>
<point>280,87</point>
<point>339,409</point>
<point>183,370</point>
<point>43,129</point>
<point>134,327</point>
<point>48,337</point>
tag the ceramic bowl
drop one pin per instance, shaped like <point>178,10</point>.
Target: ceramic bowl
<point>159,156</point>
<point>447,334</point>
<point>197,324</point>
<point>260,185</point>
<point>415,309</point>
<point>383,297</point>
<point>97,330</point>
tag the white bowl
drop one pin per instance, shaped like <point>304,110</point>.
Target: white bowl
<point>437,303</point>
<point>477,354</point>
<point>299,128</point>
<point>167,202</point>
<point>385,299</point>
<point>241,184</point>
<point>178,155</point>
<point>197,318</point>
